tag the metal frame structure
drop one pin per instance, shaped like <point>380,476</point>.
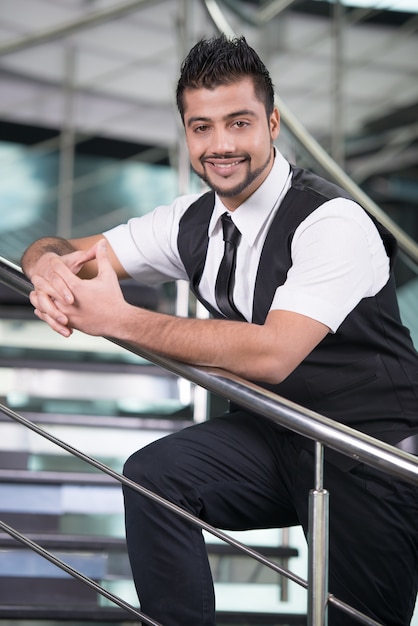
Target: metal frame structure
<point>296,129</point>
<point>322,430</point>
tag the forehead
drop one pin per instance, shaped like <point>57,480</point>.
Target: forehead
<point>221,100</point>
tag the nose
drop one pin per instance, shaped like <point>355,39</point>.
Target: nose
<point>223,141</point>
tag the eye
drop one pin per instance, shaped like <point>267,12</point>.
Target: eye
<point>202,128</point>
<point>240,124</point>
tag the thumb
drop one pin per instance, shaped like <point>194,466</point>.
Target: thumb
<point>102,256</point>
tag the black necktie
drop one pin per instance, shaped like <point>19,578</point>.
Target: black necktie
<point>225,280</point>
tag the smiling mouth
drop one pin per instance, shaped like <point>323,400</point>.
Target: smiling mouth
<point>224,163</point>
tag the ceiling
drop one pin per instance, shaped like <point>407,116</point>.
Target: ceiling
<point>109,67</point>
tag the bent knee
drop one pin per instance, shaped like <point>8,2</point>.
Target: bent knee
<point>147,464</point>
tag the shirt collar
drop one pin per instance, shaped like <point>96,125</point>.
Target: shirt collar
<point>250,216</point>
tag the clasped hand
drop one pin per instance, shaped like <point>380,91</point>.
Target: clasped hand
<point>66,302</point>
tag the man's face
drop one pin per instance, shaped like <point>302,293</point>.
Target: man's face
<point>230,139</point>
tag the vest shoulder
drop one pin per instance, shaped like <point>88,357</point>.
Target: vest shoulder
<point>320,190</point>
<point>308,182</point>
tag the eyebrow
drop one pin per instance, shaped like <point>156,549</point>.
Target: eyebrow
<point>234,114</point>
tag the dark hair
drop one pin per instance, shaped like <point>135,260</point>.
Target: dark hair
<point>222,61</point>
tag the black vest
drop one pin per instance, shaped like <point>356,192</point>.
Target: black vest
<point>366,374</point>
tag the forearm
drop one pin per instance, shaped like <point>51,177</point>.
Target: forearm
<point>242,348</point>
<point>56,245</point>
<point>268,352</point>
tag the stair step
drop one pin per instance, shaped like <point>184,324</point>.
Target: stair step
<point>90,543</point>
<point>34,566</point>
<point>61,498</point>
<point>82,616</point>
<point>14,460</point>
<point>55,541</point>
<point>43,593</point>
<point>56,615</point>
<point>101,438</point>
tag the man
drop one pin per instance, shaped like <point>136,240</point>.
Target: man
<point>311,313</point>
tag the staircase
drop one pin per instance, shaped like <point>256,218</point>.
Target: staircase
<point>106,403</point>
<point>57,511</point>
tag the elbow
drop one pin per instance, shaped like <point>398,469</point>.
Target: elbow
<point>272,372</point>
<point>273,378</point>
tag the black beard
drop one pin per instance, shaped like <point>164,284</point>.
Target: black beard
<point>240,187</point>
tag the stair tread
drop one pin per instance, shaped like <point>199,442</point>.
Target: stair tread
<point>95,543</point>
<point>55,477</point>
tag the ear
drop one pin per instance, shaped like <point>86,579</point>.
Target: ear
<point>274,123</point>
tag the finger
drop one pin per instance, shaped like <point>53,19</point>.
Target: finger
<point>55,324</point>
<point>102,256</point>
<point>55,282</point>
<point>104,265</point>
<point>47,307</point>
<point>51,289</point>
<point>76,260</point>
<point>42,301</point>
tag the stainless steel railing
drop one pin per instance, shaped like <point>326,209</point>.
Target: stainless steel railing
<point>322,430</point>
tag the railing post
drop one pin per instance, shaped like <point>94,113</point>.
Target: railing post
<point>318,543</point>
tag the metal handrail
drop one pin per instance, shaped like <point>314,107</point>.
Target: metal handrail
<point>331,599</point>
<point>73,26</point>
<point>252,397</point>
<point>322,430</point>
<point>406,244</point>
<point>35,547</point>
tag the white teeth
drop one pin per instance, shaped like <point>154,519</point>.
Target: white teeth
<point>226,165</point>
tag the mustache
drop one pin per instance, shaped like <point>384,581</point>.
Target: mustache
<point>226,156</point>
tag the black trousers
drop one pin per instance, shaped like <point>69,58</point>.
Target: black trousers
<point>239,471</point>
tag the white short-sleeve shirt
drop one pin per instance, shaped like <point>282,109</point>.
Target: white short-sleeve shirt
<point>338,256</point>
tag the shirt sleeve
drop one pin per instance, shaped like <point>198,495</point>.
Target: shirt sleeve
<point>146,246</point>
<point>338,258</point>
